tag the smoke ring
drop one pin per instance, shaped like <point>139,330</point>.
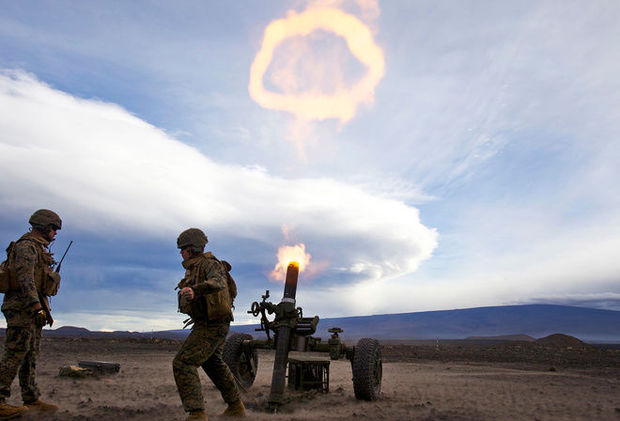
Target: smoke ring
<point>342,104</point>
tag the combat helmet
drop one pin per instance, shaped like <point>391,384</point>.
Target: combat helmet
<point>192,237</point>
<point>45,218</point>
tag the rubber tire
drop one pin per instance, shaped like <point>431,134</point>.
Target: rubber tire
<point>237,360</point>
<point>367,368</point>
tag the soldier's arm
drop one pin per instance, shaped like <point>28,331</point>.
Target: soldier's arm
<point>25,261</point>
<point>212,278</point>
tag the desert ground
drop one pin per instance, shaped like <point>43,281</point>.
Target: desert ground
<point>445,382</point>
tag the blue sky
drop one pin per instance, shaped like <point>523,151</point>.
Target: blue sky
<point>481,169</point>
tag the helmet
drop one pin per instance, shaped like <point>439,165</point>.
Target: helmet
<point>45,218</point>
<point>192,237</point>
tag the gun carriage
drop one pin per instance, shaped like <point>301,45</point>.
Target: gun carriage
<point>291,331</point>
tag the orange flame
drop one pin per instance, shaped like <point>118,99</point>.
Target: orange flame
<point>342,104</point>
<point>290,254</point>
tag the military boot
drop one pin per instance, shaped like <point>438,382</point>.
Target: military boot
<point>197,416</point>
<point>9,411</point>
<point>39,405</point>
<point>235,409</point>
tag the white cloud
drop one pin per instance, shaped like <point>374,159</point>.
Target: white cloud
<point>100,166</point>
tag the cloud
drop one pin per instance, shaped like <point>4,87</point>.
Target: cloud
<point>103,168</point>
<point>605,300</point>
<point>501,124</point>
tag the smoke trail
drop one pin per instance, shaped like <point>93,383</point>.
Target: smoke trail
<point>308,105</point>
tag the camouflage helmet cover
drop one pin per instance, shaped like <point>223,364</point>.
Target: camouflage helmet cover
<point>44,218</point>
<point>192,237</point>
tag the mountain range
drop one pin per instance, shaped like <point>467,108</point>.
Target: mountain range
<point>535,320</point>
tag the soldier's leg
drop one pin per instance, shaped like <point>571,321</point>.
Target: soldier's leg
<point>27,382</point>
<point>16,345</point>
<point>220,374</point>
<point>196,349</point>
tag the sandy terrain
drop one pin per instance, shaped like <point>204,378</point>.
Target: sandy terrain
<point>413,389</point>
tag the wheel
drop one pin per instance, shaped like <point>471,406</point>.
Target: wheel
<point>367,369</point>
<point>242,363</point>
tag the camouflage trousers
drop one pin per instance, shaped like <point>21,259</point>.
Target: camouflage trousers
<point>21,350</point>
<point>203,347</point>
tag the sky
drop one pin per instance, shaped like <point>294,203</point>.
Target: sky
<point>424,155</point>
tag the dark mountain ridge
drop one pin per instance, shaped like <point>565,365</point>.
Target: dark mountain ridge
<point>535,320</point>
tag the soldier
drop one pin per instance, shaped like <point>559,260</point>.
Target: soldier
<point>30,267</point>
<point>206,297</point>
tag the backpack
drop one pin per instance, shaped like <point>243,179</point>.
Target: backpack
<point>232,285</point>
<point>49,285</point>
<point>7,282</point>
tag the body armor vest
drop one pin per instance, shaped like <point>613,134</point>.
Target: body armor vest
<point>211,306</point>
<point>44,267</point>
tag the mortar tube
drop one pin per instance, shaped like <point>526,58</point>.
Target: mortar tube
<point>283,339</point>
<point>290,286</point>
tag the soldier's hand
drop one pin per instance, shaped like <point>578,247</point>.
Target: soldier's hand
<point>188,293</point>
<point>40,318</point>
<point>55,276</point>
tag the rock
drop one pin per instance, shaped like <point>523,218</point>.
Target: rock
<point>74,371</point>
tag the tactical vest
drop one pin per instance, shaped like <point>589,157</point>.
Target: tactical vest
<point>43,268</point>
<point>212,306</point>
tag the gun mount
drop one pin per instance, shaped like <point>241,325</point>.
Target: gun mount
<point>292,332</point>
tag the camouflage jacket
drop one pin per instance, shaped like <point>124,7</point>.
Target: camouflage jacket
<point>207,277</point>
<point>33,262</point>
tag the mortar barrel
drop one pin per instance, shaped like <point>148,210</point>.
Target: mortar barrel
<point>292,274</point>
<point>283,338</point>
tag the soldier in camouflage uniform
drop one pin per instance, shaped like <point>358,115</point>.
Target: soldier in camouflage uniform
<point>204,295</point>
<point>30,267</point>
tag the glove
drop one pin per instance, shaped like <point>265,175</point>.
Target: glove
<point>40,318</point>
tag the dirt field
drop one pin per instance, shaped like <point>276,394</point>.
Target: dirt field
<point>419,383</point>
